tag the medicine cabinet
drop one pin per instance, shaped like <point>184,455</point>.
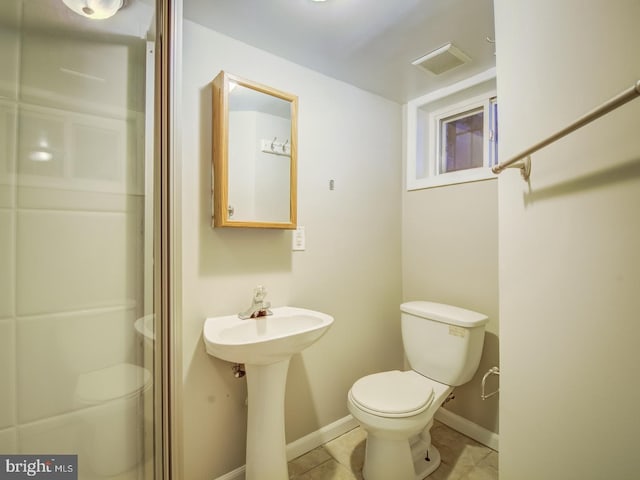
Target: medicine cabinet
<point>254,154</point>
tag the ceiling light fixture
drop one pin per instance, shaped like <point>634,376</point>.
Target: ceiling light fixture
<point>95,9</point>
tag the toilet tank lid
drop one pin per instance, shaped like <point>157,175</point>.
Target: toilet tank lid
<point>445,313</point>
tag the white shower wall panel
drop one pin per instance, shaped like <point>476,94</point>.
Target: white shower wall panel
<point>7,380</point>
<point>76,260</point>
<point>8,441</point>
<point>74,344</point>
<point>8,115</point>
<point>7,254</point>
<point>37,198</point>
<point>84,76</point>
<point>72,433</point>
<point>9,49</point>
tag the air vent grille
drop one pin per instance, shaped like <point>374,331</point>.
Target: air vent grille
<point>442,59</point>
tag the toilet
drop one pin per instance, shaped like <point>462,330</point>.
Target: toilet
<point>443,345</point>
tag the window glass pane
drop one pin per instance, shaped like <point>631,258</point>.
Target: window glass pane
<point>462,142</point>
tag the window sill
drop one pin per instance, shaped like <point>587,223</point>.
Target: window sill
<point>453,178</point>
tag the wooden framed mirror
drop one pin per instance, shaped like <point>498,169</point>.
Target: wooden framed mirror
<point>254,154</point>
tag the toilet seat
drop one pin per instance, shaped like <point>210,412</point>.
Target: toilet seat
<point>122,380</point>
<point>393,394</point>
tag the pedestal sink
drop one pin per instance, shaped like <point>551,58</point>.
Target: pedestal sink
<point>265,345</point>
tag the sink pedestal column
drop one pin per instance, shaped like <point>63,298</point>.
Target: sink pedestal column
<point>266,444</point>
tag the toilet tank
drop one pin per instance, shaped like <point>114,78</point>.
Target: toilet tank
<point>442,342</point>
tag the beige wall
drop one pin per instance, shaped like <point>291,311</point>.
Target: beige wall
<point>569,257</point>
<point>350,269</point>
<point>450,255</point>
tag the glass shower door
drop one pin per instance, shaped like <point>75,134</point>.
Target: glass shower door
<point>76,236</point>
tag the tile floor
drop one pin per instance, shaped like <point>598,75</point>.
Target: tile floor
<point>342,458</point>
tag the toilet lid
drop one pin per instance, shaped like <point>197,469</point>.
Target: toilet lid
<point>393,394</point>
<point>117,381</point>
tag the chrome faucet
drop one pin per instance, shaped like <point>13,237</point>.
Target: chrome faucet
<point>259,307</point>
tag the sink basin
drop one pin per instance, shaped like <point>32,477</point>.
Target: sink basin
<point>265,345</point>
<point>264,340</point>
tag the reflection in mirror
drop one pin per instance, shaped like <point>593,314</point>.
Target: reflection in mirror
<point>254,155</point>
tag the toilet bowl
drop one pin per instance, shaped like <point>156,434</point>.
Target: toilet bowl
<point>112,411</point>
<point>443,346</point>
<point>396,410</point>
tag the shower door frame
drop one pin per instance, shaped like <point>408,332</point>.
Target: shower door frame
<point>167,366</point>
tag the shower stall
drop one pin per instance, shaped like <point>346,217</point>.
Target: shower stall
<point>79,208</point>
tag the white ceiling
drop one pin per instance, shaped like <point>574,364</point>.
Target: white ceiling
<point>367,43</point>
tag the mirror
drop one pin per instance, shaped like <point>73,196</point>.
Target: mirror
<point>254,154</point>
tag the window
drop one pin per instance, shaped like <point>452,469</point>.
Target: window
<point>452,134</point>
<point>463,140</point>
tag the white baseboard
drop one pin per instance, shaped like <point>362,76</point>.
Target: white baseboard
<point>320,437</point>
<point>468,428</point>
<point>237,474</point>
<point>306,443</point>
